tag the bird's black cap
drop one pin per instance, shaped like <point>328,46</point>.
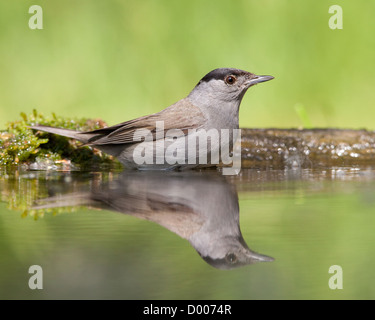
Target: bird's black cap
<point>221,73</point>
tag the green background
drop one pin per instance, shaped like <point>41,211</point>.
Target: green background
<point>117,60</point>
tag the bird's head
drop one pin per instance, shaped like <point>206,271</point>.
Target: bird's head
<point>231,252</point>
<point>225,85</point>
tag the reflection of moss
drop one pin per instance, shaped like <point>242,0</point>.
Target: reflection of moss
<point>21,145</point>
<point>36,193</point>
<point>20,190</point>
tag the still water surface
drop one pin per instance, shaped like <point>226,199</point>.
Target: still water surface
<point>270,234</point>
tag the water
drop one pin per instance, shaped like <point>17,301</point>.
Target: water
<point>266,234</point>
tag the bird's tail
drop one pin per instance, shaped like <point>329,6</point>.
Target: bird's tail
<point>80,136</point>
<point>68,200</point>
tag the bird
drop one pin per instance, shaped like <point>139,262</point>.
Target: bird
<point>200,206</point>
<point>167,139</point>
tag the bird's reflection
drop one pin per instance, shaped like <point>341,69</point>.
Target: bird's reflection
<point>201,207</point>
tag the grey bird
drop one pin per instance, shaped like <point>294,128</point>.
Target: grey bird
<point>212,104</point>
<point>201,207</point>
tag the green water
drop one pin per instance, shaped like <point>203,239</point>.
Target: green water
<point>306,220</point>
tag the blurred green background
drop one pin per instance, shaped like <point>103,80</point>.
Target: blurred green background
<point>121,59</point>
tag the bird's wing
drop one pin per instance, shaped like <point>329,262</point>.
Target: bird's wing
<point>182,115</point>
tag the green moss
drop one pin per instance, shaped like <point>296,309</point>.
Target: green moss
<point>21,145</point>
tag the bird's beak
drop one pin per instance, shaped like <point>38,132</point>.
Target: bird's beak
<point>254,257</point>
<point>258,79</point>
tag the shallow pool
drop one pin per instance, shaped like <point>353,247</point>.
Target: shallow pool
<point>265,234</point>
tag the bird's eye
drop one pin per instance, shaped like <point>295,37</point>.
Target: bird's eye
<point>230,79</point>
<point>231,258</point>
